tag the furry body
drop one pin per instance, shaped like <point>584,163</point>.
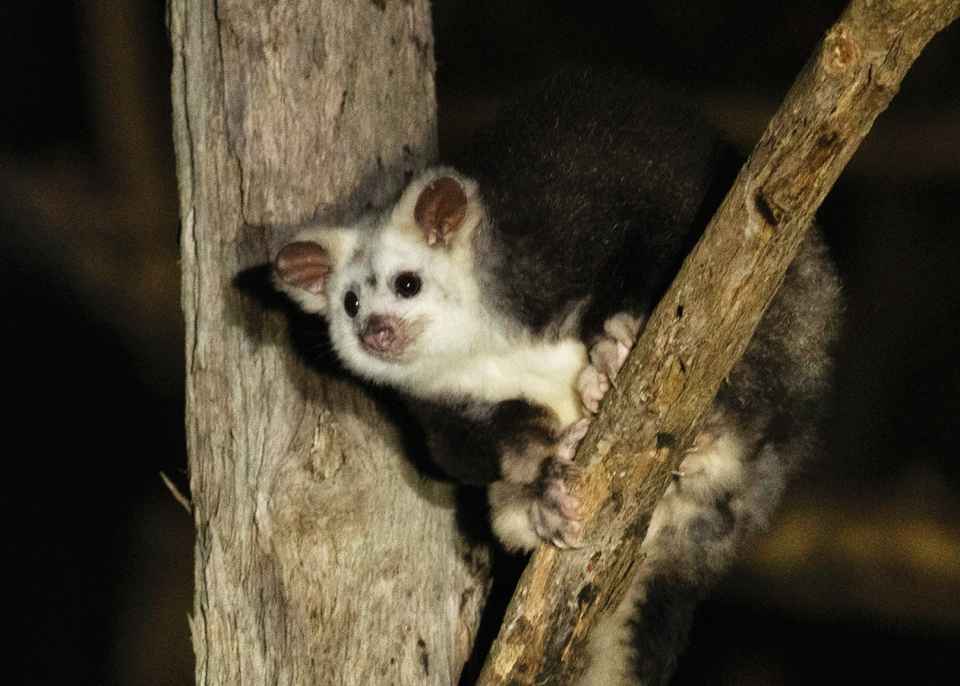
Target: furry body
<point>484,290</point>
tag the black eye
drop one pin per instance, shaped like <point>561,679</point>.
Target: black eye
<point>351,303</point>
<point>407,284</point>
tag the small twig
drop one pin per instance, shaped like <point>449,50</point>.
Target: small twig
<point>177,494</point>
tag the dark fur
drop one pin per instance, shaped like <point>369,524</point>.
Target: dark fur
<point>468,439</point>
<point>663,627</point>
<point>587,204</point>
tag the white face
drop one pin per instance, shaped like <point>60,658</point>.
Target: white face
<point>398,309</point>
<point>399,291</point>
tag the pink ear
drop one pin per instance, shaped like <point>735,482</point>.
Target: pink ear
<point>440,209</point>
<point>304,265</point>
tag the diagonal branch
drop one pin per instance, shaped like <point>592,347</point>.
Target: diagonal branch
<point>702,326</point>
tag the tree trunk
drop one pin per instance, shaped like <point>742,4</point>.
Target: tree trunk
<point>322,556</point>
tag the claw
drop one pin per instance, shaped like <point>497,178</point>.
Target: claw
<point>570,538</point>
<point>570,440</point>
<point>623,328</point>
<point>570,508</point>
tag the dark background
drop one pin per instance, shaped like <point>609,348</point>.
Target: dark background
<point>860,577</point>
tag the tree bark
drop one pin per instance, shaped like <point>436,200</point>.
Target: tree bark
<point>700,329</point>
<point>322,555</point>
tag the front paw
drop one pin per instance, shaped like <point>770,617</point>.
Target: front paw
<point>523,515</point>
<point>607,355</point>
<point>592,385</point>
<point>532,502</point>
<point>554,512</point>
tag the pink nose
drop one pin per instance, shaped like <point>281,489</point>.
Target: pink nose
<point>379,334</point>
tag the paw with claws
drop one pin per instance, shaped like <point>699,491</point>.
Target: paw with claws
<point>542,509</point>
<point>554,512</point>
<point>607,355</point>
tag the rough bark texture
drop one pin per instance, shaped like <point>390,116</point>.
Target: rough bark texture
<point>322,556</point>
<point>702,326</point>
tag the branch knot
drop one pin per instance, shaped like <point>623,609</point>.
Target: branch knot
<point>840,51</point>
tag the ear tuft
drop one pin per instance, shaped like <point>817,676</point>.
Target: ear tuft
<point>303,265</point>
<point>441,209</point>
